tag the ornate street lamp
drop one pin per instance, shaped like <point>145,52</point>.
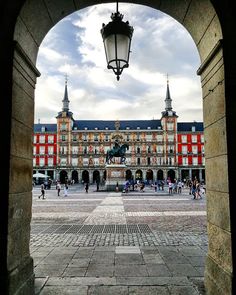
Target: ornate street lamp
<point>117,40</point>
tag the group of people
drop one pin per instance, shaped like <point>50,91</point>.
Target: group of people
<point>134,186</point>
<point>196,189</point>
<point>175,186</point>
<point>59,188</point>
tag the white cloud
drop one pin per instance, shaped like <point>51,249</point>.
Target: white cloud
<point>160,45</point>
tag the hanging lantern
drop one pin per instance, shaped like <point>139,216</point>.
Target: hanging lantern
<point>117,37</point>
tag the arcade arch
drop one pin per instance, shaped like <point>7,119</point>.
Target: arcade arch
<point>217,72</point>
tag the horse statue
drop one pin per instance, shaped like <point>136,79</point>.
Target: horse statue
<point>117,151</point>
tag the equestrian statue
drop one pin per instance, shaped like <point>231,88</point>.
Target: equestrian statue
<point>117,151</point>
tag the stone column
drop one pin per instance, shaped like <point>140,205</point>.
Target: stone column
<point>190,173</point>
<point>219,264</point>
<point>200,174</point>
<point>19,264</point>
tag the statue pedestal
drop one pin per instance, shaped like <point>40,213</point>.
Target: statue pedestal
<point>115,173</point>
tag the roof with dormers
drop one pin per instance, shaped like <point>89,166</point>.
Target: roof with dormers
<point>48,127</point>
<point>187,126</point>
<point>124,125</point>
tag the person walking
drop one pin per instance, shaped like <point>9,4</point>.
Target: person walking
<point>42,192</point>
<point>180,185</point>
<point>86,187</point>
<point>65,190</point>
<point>58,188</point>
<point>170,185</point>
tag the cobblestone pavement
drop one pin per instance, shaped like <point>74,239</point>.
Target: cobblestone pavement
<point>114,243</point>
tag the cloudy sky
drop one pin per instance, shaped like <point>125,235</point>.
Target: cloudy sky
<point>160,45</point>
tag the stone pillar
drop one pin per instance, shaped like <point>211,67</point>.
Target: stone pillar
<point>144,172</point>
<point>19,264</point>
<point>54,174</point>
<point>190,173</point>
<point>90,176</point>
<point>219,264</point>
<point>200,174</point>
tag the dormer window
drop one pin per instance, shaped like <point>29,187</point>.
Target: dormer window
<point>127,128</point>
<point>193,128</point>
<point>96,128</point>
<point>106,128</point>
<point>43,129</point>
<point>138,127</point>
<point>149,128</point>
<point>85,128</point>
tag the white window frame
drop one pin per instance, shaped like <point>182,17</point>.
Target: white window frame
<point>195,161</point>
<point>42,150</point>
<point>184,138</point>
<point>42,139</point>
<point>184,149</point>
<point>194,138</point>
<point>50,139</point>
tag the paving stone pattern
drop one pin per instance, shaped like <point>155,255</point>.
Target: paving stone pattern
<point>113,243</point>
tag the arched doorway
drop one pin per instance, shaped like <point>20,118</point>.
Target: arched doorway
<point>85,176</point>
<point>63,176</point>
<point>184,174</point>
<point>128,175</point>
<point>75,176</point>
<point>201,18</point>
<point>160,175</point>
<point>139,175</point>
<point>171,175</point>
<point>195,174</point>
<point>96,176</point>
<point>149,176</point>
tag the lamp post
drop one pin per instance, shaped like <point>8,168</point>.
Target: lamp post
<point>117,37</point>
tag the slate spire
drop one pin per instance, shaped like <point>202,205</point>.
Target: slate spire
<point>65,100</point>
<point>168,100</point>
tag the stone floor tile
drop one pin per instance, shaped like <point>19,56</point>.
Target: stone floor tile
<point>191,251</point>
<point>183,270</point>
<point>105,249</point>
<point>43,270</point>
<point>153,259</point>
<point>74,272</point>
<point>197,260</point>
<point>131,270</point>
<point>83,253</point>
<point>121,259</point>
<point>39,284</point>
<point>182,290</point>
<point>153,281</point>
<point>81,281</point>
<point>147,290</point>
<point>158,270</point>
<point>100,270</point>
<point>79,262</point>
<point>127,249</point>
<point>108,290</point>
<point>174,258</point>
<point>69,290</point>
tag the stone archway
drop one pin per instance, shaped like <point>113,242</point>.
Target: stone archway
<point>160,175</point>
<point>96,176</point>
<point>149,176</point>
<point>218,71</point>
<point>85,176</point>
<point>128,174</point>
<point>75,176</point>
<point>63,176</point>
<point>139,175</point>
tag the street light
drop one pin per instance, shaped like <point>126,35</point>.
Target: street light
<point>117,40</point>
